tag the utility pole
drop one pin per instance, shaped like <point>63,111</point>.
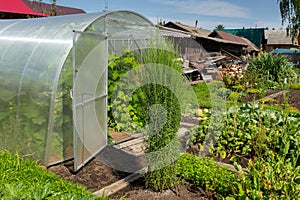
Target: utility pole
<point>106,5</point>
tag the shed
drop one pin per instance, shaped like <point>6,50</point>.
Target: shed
<point>280,39</point>
<point>53,74</point>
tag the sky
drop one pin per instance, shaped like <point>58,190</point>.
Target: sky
<point>208,13</point>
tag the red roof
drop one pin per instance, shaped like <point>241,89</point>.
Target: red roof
<point>48,8</point>
<point>234,38</point>
<point>18,7</point>
<point>230,37</point>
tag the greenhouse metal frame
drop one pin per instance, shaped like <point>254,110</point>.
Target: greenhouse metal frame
<point>53,74</point>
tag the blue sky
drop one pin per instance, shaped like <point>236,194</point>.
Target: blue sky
<point>209,13</point>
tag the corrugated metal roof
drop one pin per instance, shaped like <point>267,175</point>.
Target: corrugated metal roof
<point>170,32</point>
<point>228,36</point>
<point>234,38</point>
<point>190,29</point>
<point>255,35</point>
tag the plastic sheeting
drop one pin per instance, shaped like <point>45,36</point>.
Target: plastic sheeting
<point>40,74</point>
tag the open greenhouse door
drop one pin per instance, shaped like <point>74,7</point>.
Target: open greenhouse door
<point>89,96</point>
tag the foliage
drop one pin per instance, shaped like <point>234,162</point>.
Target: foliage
<point>24,179</point>
<point>203,96</point>
<point>118,66</point>
<point>205,172</point>
<point>276,178</point>
<point>251,130</point>
<point>220,27</point>
<point>290,12</point>
<point>268,69</point>
<point>294,86</point>
<point>162,145</point>
<point>270,139</point>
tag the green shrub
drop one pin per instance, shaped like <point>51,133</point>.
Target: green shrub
<point>162,147</point>
<point>270,67</point>
<point>205,172</point>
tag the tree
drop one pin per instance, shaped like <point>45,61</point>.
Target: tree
<point>219,27</point>
<point>52,12</point>
<point>290,13</point>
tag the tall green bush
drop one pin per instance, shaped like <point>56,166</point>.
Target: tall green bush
<point>162,145</point>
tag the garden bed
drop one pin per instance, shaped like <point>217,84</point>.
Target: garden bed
<point>96,175</point>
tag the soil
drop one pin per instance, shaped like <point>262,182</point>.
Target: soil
<point>95,175</point>
<point>293,97</point>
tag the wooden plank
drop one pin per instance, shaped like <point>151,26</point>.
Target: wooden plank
<point>119,185</point>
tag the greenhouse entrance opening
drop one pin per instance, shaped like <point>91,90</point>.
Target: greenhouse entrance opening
<point>89,96</point>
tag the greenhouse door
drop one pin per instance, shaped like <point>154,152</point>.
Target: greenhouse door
<point>89,96</point>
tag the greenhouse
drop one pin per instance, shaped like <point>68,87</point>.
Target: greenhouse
<point>53,74</point>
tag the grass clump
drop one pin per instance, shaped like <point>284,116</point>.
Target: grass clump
<point>25,179</point>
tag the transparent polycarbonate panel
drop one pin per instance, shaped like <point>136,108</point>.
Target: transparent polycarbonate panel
<point>135,40</point>
<point>92,138</point>
<point>117,22</point>
<point>48,29</point>
<point>89,87</point>
<point>26,90</point>
<point>61,140</point>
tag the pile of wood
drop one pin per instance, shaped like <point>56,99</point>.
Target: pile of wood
<point>233,70</point>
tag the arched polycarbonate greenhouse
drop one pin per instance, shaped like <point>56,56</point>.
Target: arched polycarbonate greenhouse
<point>53,81</point>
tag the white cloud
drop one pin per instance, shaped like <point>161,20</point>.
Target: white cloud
<point>219,8</point>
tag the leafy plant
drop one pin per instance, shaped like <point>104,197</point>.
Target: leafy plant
<point>118,66</point>
<point>276,178</point>
<point>205,172</point>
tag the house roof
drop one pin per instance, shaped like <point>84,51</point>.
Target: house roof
<point>47,8</point>
<point>234,38</point>
<point>219,40</point>
<point>278,37</point>
<point>254,35</point>
<point>187,28</point>
<point>251,46</point>
<point>18,7</point>
<point>170,32</point>
<point>227,36</point>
